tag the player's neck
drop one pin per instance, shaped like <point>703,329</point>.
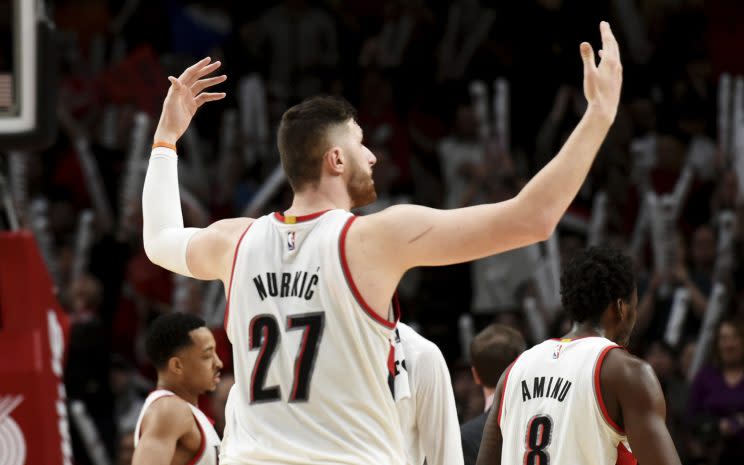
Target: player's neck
<point>585,329</point>
<point>184,394</point>
<point>315,200</point>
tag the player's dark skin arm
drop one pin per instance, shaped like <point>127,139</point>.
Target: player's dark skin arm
<point>634,400</point>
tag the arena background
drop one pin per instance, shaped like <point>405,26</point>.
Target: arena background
<point>461,102</point>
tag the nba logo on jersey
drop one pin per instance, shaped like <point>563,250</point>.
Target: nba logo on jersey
<point>291,240</point>
<point>557,351</point>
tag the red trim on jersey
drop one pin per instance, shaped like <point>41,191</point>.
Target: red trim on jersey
<point>170,394</point>
<point>355,291</point>
<point>624,456</point>
<point>289,219</point>
<point>202,443</point>
<point>232,272</point>
<point>598,389</point>
<point>503,391</point>
<point>570,339</point>
<point>391,361</point>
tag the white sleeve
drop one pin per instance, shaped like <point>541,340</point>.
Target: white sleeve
<point>436,414</point>
<point>163,235</point>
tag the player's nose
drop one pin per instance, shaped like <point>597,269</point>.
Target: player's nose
<point>372,158</point>
<point>218,362</point>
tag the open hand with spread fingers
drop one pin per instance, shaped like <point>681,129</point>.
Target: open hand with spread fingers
<point>603,82</point>
<point>185,95</point>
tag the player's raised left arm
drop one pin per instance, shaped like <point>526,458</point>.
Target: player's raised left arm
<point>410,236</point>
<point>199,253</point>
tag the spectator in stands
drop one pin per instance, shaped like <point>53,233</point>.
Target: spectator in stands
<point>125,450</point>
<point>301,46</point>
<point>654,306</point>
<point>662,359</point>
<point>491,352</point>
<point>461,156</point>
<point>716,407</point>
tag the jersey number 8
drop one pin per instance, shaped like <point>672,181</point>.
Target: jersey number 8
<point>539,430</point>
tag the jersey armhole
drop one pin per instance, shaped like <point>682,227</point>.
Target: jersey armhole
<point>229,286</point>
<point>598,390</point>
<point>352,285</point>
<point>624,456</point>
<point>202,441</point>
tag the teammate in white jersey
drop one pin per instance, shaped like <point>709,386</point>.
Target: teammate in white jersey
<point>575,400</point>
<point>171,430</point>
<point>425,401</point>
<point>310,296</point>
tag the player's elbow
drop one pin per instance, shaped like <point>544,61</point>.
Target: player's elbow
<point>545,226</point>
<point>538,221</point>
<point>540,226</point>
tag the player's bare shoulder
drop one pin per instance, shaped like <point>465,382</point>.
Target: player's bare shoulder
<point>628,380</point>
<point>210,251</point>
<point>621,368</point>
<point>168,416</point>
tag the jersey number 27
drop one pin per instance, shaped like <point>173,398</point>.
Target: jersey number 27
<point>264,336</point>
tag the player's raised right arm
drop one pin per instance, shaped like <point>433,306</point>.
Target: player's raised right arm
<point>199,253</point>
<point>415,236</point>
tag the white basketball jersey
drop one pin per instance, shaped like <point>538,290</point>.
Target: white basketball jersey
<point>552,410</point>
<point>314,365</point>
<point>209,448</point>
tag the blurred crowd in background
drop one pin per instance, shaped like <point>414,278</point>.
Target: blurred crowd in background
<point>461,102</point>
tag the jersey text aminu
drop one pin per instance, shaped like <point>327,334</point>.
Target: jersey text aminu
<point>556,390</point>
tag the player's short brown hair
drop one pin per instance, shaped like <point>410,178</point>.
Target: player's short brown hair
<point>493,349</point>
<point>301,137</point>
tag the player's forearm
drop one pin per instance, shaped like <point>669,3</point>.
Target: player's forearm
<point>164,237</point>
<point>550,192</point>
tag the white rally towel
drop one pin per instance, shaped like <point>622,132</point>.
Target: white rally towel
<point>402,385</point>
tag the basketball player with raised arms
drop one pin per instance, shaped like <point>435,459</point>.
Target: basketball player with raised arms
<point>310,289</point>
<point>582,399</point>
<point>171,430</point>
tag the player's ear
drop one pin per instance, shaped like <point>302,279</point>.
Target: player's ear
<point>175,365</point>
<point>621,310</point>
<point>333,159</point>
